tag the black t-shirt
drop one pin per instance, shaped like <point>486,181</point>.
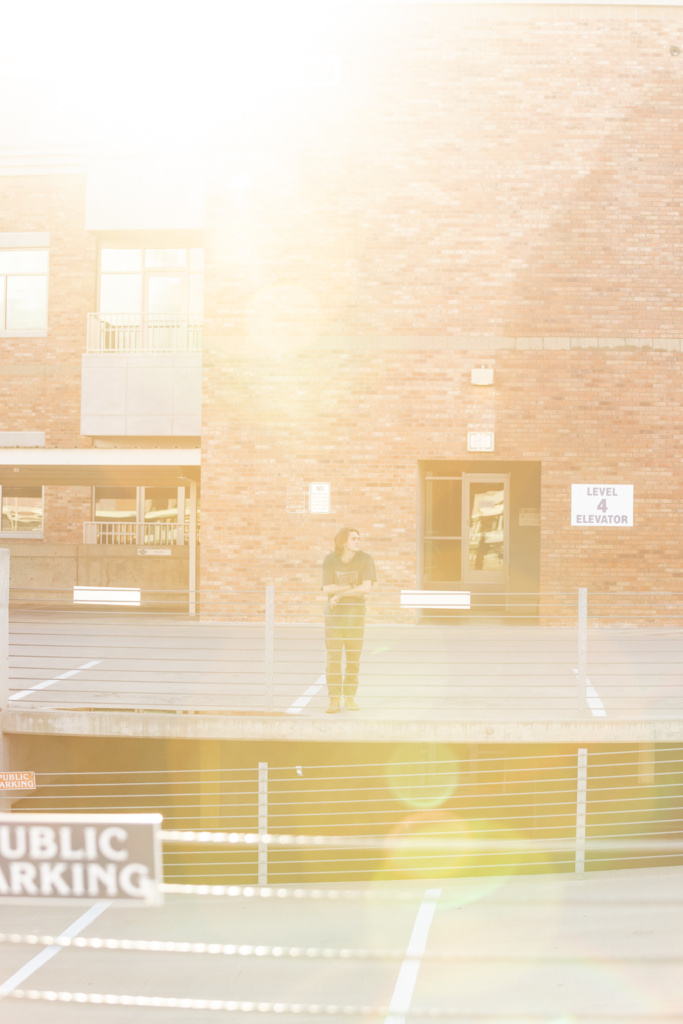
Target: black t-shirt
<point>349,574</point>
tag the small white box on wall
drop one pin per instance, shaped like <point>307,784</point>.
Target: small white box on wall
<point>480,441</point>
<point>482,375</point>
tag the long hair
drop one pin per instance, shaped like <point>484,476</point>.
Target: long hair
<point>341,538</point>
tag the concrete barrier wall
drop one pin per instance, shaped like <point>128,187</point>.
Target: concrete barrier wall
<point>37,566</point>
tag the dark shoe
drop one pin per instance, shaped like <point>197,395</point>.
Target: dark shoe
<point>335,706</point>
<point>350,704</point>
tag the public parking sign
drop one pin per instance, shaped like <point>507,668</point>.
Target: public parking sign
<point>17,780</point>
<point>602,504</point>
<point>80,856</point>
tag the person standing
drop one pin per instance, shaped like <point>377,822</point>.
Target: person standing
<point>348,575</point>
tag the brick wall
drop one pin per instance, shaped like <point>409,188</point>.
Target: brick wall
<point>66,509</point>
<point>40,378</point>
<point>486,185</point>
<point>497,185</point>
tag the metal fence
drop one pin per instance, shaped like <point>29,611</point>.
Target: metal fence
<point>264,652</point>
<point>448,813</point>
<point>154,534</point>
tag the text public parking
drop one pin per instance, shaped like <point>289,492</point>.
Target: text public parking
<point>46,860</point>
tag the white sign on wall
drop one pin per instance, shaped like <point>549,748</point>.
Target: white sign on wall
<point>319,498</point>
<point>602,504</point>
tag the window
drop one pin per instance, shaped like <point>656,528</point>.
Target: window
<point>23,290</point>
<point>160,505</point>
<point>138,515</point>
<point>162,282</point>
<point>21,511</point>
<point>115,504</point>
<point>135,504</point>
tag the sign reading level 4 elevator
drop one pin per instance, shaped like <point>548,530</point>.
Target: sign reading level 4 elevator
<point>602,504</point>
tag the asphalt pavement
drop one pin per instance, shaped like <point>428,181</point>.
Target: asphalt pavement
<point>559,949</point>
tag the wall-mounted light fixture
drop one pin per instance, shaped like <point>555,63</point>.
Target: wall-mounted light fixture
<point>480,441</point>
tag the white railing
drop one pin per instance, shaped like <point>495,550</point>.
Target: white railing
<point>566,810</point>
<point>149,535</point>
<point>144,332</point>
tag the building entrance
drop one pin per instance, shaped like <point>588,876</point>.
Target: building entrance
<point>480,526</point>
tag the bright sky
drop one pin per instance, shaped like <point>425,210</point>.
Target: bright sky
<point>143,73</point>
<point>140,73</point>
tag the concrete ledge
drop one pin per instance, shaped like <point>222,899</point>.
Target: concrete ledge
<point>22,438</point>
<point>488,344</point>
<point>286,728</point>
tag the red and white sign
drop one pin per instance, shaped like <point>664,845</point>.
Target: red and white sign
<point>17,780</point>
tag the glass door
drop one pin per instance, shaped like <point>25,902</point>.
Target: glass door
<point>442,551</point>
<point>485,514</point>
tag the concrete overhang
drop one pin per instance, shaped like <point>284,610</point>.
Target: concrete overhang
<point>98,466</point>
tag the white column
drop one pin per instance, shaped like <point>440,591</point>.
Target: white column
<point>581,787</point>
<point>581,676</point>
<point>4,664</point>
<point>270,646</point>
<point>4,628</point>
<point>193,549</point>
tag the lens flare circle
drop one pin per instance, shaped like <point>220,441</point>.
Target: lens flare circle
<point>419,782</point>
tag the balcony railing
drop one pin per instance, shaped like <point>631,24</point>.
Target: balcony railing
<point>148,535</point>
<point>144,332</point>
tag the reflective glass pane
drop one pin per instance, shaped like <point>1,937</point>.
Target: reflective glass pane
<point>163,258</point>
<point>120,293</point>
<point>23,261</point>
<point>22,509</point>
<point>120,259</point>
<point>487,527</point>
<point>196,259</point>
<point>165,293</point>
<point>442,561</point>
<point>161,504</point>
<point>115,504</point>
<point>26,303</point>
<point>443,508</point>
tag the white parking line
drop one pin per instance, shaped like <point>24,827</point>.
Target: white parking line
<point>49,682</point>
<point>306,696</point>
<point>593,698</point>
<point>407,976</point>
<point>46,954</point>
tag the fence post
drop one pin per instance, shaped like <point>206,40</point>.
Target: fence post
<point>262,822</point>
<point>270,646</point>
<point>581,676</point>
<point>4,628</point>
<point>192,559</point>
<point>4,665</point>
<point>581,786</point>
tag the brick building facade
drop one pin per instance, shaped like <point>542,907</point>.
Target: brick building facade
<point>454,187</point>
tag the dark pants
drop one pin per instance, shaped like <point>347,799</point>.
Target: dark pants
<point>344,630</point>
